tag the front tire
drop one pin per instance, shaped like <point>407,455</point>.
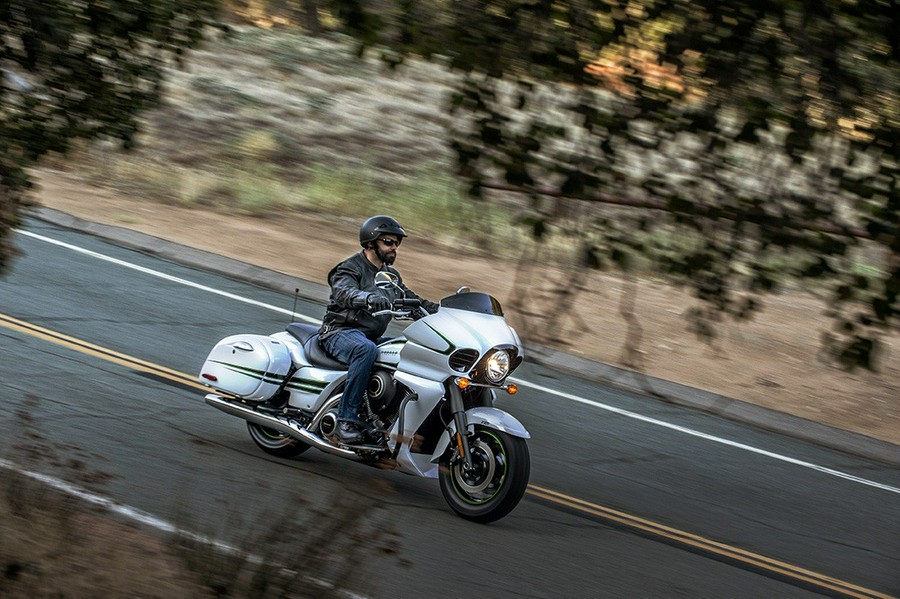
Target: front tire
<point>274,442</point>
<point>497,481</point>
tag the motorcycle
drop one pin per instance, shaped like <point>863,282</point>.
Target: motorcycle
<point>428,409</point>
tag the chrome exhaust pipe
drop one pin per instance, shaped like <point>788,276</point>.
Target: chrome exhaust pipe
<point>279,423</point>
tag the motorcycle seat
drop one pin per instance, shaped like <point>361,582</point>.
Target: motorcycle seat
<point>319,357</point>
<point>302,332</point>
<point>308,336</point>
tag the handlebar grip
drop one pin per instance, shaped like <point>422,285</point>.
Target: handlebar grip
<point>407,303</point>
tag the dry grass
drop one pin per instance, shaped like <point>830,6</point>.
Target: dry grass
<point>298,103</point>
<point>269,121</point>
<point>51,546</point>
<point>266,122</point>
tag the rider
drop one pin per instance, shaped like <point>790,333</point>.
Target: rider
<point>349,332</point>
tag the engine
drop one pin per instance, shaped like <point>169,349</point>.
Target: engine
<point>381,394</point>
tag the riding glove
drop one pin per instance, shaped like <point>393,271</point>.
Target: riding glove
<point>377,302</point>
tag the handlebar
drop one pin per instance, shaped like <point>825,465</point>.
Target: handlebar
<point>407,303</point>
<point>400,308</point>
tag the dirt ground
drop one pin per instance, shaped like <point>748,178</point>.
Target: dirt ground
<point>773,360</point>
<point>66,551</point>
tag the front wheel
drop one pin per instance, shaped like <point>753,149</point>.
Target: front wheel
<point>498,478</point>
<point>274,442</point>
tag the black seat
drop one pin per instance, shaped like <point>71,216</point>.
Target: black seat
<point>319,357</point>
<point>308,335</point>
<point>302,332</point>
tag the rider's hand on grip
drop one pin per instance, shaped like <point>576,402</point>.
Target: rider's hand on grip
<point>377,302</point>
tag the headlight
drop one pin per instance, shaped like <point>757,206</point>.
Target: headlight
<point>497,366</point>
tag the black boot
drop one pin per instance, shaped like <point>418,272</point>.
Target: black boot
<point>348,433</point>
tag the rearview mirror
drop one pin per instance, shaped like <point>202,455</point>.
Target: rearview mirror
<point>386,280</point>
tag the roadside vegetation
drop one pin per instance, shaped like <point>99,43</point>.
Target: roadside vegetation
<point>268,121</point>
<point>54,545</point>
<point>635,105</point>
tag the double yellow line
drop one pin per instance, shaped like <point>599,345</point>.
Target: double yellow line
<point>99,351</point>
<point>736,554</point>
<point>682,538</point>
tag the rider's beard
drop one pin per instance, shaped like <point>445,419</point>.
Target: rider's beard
<point>386,257</point>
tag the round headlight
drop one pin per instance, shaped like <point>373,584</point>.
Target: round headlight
<point>497,366</point>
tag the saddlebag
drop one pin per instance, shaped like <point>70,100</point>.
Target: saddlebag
<point>249,366</point>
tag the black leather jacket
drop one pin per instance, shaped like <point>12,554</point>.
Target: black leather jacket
<point>351,282</point>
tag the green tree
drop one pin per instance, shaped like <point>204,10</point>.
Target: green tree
<point>81,70</point>
<point>757,137</point>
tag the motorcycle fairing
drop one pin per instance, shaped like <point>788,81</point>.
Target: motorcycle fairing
<point>428,394</point>
<point>389,353</point>
<point>469,329</point>
<point>428,350</point>
<point>308,383</point>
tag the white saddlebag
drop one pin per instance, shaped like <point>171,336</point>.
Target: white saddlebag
<point>248,366</point>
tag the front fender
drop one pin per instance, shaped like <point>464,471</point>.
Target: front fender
<point>487,417</point>
<point>496,419</point>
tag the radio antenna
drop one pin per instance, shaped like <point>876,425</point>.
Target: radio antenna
<point>294,309</point>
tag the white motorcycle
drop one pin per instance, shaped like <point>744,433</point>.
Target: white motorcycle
<point>428,406</point>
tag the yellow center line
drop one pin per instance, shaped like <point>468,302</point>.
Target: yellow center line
<point>736,553</point>
<point>99,351</point>
<point>685,538</point>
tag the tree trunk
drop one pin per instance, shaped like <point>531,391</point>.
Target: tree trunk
<point>311,18</point>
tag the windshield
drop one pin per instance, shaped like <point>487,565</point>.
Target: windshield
<point>473,302</point>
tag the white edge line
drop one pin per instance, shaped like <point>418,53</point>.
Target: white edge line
<point>708,437</point>
<point>167,277</point>
<point>124,510</point>
<point>569,396</point>
<point>146,519</point>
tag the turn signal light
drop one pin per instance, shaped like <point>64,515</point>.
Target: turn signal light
<point>512,389</point>
<point>210,377</point>
<point>463,383</point>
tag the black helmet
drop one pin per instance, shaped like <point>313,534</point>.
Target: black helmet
<point>377,226</point>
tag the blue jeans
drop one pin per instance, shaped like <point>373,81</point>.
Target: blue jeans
<point>353,348</point>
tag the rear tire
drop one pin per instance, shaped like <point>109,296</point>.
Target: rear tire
<point>274,442</point>
<point>501,467</point>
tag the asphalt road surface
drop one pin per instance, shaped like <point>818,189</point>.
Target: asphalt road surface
<point>628,497</point>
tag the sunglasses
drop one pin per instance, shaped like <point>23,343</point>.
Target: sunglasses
<point>389,242</point>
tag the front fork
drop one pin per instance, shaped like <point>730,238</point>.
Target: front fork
<point>462,425</point>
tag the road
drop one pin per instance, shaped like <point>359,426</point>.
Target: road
<point>628,496</point>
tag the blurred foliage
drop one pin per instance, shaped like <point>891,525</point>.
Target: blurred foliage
<point>81,70</point>
<point>748,131</point>
<point>755,130</point>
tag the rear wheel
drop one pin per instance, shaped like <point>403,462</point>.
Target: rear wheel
<point>274,442</point>
<point>498,478</point>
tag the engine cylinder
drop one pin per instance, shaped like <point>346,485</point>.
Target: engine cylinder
<point>381,390</point>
